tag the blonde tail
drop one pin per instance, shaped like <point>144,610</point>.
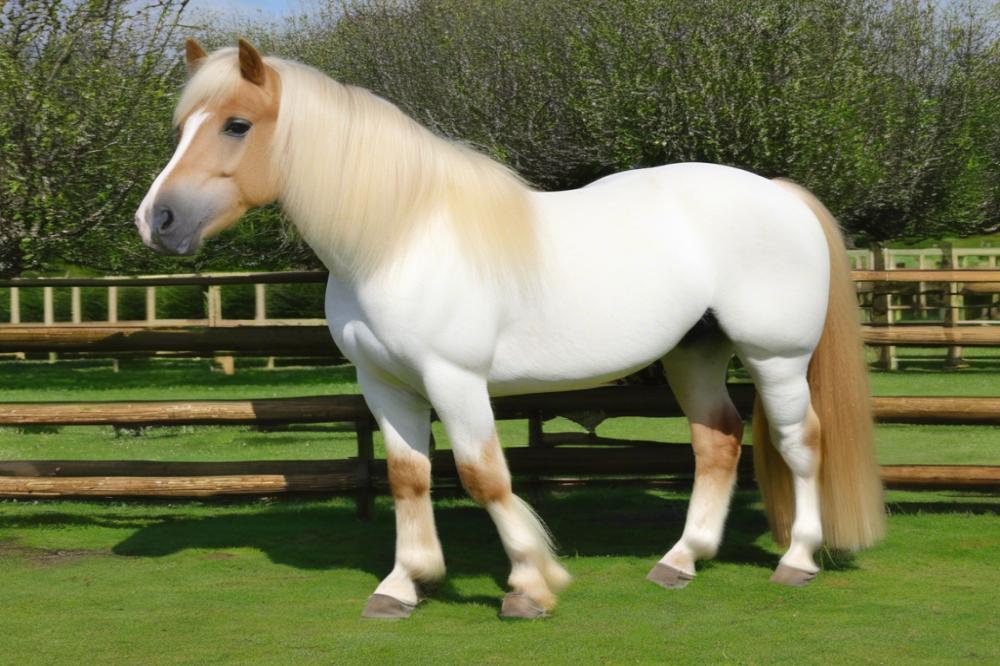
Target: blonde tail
<point>851,504</point>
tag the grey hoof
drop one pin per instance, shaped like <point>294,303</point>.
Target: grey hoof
<point>384,607</point>
<point>519,605</point>
<point>786,575</point>
<point>667,576</point>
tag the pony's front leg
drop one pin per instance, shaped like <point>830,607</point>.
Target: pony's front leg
<point>404,420</point>
<point>462,401</point>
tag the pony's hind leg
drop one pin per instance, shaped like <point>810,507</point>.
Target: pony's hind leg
<point>462,401</point>
<point>697,375</point>
<point>783,389</point>
<point>404,420</point>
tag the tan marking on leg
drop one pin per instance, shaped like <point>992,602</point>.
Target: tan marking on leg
<point>409,475</point>
<point>534,570</point>
<point>716,443</point>
<point>487,479</point>
<point>417,545</point>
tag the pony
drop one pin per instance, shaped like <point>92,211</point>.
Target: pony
<point>451,281</point>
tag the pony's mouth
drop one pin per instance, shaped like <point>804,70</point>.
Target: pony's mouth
<point>183,247</point>
<point>173,225</point>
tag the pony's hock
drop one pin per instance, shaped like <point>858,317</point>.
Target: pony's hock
<point>451,281</point>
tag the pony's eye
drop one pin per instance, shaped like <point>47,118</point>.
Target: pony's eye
<point>237,127</point>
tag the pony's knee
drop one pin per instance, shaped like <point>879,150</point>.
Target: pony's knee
<point>409,475</point>
<point>484,475</point>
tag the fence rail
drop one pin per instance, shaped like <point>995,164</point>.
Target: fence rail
<point>879,283</point>
<point>550,454</point>
<point>264,340</point>
<point>315,340</point>
<point>609,402</point>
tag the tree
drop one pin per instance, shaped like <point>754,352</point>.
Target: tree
<point>85,101</point>
<point>887,109</point>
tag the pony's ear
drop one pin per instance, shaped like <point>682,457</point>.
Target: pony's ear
<point>251,64</point>
<point>194,55</point>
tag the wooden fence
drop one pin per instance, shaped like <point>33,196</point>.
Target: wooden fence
<point>547,454</point>
<point>550,454</point>
<point>875,283</point>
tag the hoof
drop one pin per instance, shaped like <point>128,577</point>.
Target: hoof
<point>790,576</point>
<point>384,607</point>
<point>519,605</point>
<point>667,576</point>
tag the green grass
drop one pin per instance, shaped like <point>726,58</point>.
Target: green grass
<point>279,582</point>
<point>284,582</point>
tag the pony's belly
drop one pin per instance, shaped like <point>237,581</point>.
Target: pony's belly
<point>622,283</point>
<point>597,330</point>
<point>572,358</point>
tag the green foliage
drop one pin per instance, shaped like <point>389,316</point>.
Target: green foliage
<point>86,97</point>
<point>888,109</point>
<point>84,118</point>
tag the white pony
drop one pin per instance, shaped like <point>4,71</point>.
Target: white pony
<point>451,281</point>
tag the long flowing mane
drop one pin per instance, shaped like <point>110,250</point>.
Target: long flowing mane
<point>359,176</point>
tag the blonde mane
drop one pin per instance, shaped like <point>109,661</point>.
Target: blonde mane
<point>359,177</point>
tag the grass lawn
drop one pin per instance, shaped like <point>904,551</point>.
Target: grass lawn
<point>284,582</point>
<point>262,581</point>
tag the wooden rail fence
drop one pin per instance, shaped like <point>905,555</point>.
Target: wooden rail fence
<point>269,336</point>
<point>549,454</point>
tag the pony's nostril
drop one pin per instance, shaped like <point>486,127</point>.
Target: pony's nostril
<point>164,219</point>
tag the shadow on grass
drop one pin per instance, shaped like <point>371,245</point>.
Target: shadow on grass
<point>586,522</point>
<point>589,522</point>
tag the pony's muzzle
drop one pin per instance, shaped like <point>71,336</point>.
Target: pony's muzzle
<point>170,234</point>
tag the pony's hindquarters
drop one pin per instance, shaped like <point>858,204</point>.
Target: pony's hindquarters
<point>851,504</point>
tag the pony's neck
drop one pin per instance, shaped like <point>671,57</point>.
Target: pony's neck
<point>360,177</point>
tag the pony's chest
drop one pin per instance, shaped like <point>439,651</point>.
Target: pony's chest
<point>400,333</point>
<point>357,332</point>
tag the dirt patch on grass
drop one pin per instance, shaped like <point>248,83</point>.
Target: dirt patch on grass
<point>45,557</point>
<point>218,555</point>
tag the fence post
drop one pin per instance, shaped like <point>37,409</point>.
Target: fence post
<point>365,497</point>
<point>15,314</point>
<point>536,435</point>
<point>953,310</point>
<point>226,363</point>
<point>112,305</point>
<point>995,298</point>
<point>48,306</point>
<point>76,309</point>
<point>260,302</point>
<point>15,305</point>
<point>260,313</point>
<point>214,304</point>
<point>49,314</point>
<point>922,288</point>
<point>150,304</point>
<point>881,309</point>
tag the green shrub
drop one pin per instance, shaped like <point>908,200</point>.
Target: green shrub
<point>890,111</point>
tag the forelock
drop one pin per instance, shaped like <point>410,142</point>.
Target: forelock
<point>215,81</point>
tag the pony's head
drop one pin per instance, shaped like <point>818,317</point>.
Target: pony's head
<point>225,122</point>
